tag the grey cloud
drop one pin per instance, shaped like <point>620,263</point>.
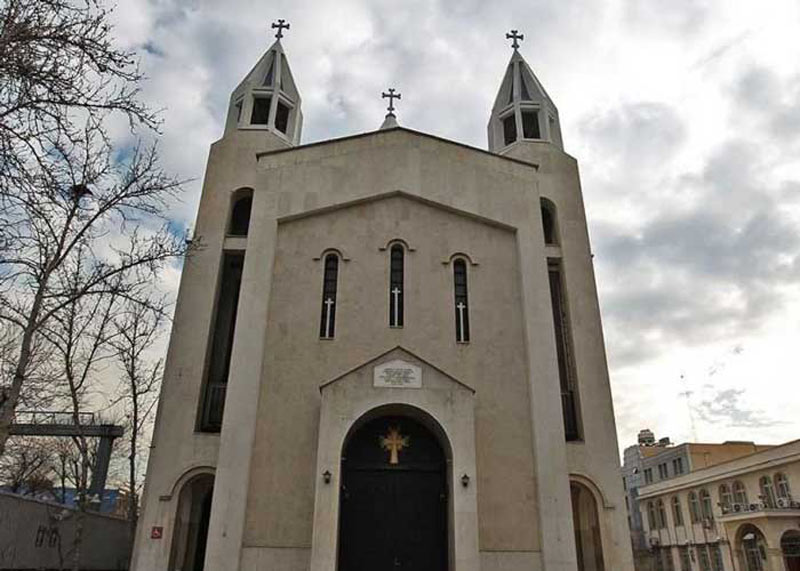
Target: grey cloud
<point>772,100</point>
<point>725,407</point>
<point>675,16</point>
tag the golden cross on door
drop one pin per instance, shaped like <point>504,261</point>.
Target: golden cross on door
<point>393,443</point>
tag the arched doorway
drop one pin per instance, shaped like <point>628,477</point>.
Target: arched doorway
<point>394,498</point>
<point>752,548</point>
<point>790,549</point>
<point>191,524</point>
<point>587,528</point>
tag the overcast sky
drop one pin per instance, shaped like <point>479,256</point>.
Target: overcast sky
<point>683,114</point>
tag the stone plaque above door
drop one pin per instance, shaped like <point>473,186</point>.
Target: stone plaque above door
<point>397,374</point>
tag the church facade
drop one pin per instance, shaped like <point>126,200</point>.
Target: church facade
<point>387,353</point>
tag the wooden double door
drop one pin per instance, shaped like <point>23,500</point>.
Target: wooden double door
<point>394,499</point>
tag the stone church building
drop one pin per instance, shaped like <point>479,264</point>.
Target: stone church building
<point>387,354</point>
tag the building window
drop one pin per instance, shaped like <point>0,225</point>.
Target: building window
<point>563,337</point>
<point>677,466</point>
<point>240,214</point>
<point>663,473</point>
<point>549,222</point>
<point>705,560</point>
<point>739,493</point>
<point>662,514</point>
<point>652,522</point>
<point>782,485</point>
<point>530,124</point>
<point>282,117</point>
<point>396,286</point>
<point>705,504</point>
<point>261,107</point>
<point>509,129</point>
<point>238,107</point>
<point>716,557</point>
<point>222,342</point>
<point>685,557</point>
<point>461,300</point>
<point>327,324</point>
<point>694,508</point>
<point>677,512</point>
<point>725,497</point>
<point>767,491</point>
<point>648,475</point>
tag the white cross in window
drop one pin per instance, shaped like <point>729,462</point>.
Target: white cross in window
<point>396,305</point>
<point>461,333</point>
<point>329,303</point>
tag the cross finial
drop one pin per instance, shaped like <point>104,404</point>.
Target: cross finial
<point>391,96</point>
<point>515,38</point>
<point>281,25</point>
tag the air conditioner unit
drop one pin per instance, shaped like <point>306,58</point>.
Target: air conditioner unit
<point>753,507</point>
<point>738,507</point>
<point>783,503</point>
<point>795,504</point>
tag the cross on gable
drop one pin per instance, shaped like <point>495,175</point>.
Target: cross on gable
<point>391,96</point>
<point>516,37</point>
<point>281,25</point>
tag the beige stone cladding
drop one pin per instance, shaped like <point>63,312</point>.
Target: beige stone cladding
<point>744,508</point>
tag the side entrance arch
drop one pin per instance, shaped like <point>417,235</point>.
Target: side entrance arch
<point>393,498</point>
<point>790,550</point>
<point>191,524</point>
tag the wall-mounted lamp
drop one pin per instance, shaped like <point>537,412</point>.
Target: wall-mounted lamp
<point>465,480</point>
<point>326,477</point>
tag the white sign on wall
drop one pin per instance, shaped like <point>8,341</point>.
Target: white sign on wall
<point>397,374</point>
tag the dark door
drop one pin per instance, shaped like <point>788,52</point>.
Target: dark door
<point>393,499</point>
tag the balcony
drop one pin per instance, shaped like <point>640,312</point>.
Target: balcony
<point>784,507</point>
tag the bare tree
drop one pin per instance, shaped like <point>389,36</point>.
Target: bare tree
<point>66,194</point>
<point>137,328</point>
<point>26,467</point>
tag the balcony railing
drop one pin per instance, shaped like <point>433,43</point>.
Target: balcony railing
<point>781,506</point>
<point>213,407</point>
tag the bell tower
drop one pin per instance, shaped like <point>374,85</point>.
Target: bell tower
<point>267,99</point>
<point>523,111</point>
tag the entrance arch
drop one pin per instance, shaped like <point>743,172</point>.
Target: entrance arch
<point>790,550</point>
<point>394,497</point>
<point>191,524</point>
<point>586,521</point>
<point>752,548</point>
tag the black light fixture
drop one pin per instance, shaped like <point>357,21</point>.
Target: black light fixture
<point>326,477</point>
<point>465,480</point>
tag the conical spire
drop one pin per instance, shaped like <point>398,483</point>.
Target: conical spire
<point>522,111</point>
<point>268,98</point>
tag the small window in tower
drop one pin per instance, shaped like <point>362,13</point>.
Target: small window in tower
<point>261,107</point>
<point>240,215</point>
<point>270,74</point>
<point>327,324</point>
<point>525,95</point>
<point>462,301</point>
<point>238,108</point>
<point>548,222</point>
<point>530,124</point>
<point>282,117</point>
<point>509,129</point>
<point>396,286</point>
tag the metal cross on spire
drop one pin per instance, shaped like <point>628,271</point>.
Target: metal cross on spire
<point>391,96</point>
<point>281,25</point>
<point>516,37</point>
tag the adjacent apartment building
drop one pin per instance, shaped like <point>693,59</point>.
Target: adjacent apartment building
<point>733,515</point>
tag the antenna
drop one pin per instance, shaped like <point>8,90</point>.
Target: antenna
<point>687,394</point>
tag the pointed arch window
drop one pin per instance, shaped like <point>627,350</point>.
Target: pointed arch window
<point>563,339</point>
<point>327,324</point>
<point>461,300</point>
<point>396,285</point>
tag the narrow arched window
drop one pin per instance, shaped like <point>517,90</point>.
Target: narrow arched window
<point>725,497</point>
<point>651,516</point>
<point>396,289</point>
<point>327,324</point>
<point>739,493</point>
<point>767,491</point>
<point>694,508</point>
<point>240,215</point>
<point>662,514</point>
<point>549,222</point>
<point>461,301</point>
<point>782,485</point>
<point>705,504</point>
<point>677,512</point>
